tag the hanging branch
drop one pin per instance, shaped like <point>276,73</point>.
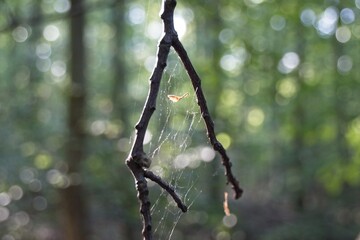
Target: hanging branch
<point>201,101</point>
<point>138,161</point>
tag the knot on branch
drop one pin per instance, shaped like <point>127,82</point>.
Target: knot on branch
<point>141,159</point>
<point>141,187</point>
<point>166,41</point>
<point>168,18</point>
<point>167,11</point>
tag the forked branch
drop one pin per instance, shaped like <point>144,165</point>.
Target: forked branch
<point>138,161</point>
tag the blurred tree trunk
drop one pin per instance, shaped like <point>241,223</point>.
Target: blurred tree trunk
<point>33,105</point>
<point>120,100</point>
<point>72,197</point>
<point>119,90</point>
<point>340,91</point>
<point>300,122</point>
<point>340,83</point>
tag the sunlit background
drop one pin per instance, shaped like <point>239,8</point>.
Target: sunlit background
<point>282,82</point>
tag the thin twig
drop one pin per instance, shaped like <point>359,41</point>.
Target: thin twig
<point>170,189</point>
<point>138,161</point>
<point>143,196</point>
<point>201,101</point>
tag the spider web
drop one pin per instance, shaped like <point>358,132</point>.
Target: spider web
<point>172,142</point>
<point>175,139</point>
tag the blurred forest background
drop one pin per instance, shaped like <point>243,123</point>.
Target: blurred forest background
<point>282,83</point>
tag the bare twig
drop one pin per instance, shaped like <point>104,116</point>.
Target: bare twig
<point>138,161</point>
<point>167,187</point>
<point>196,82</point>
<point>143,196</point>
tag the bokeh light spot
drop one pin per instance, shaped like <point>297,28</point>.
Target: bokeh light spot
<point>43,161</point>
<point>136,14</point>
<point>51,33</point>
<point>98,127</point>
<point>43,65</point>
<point>344,64</point>
<point>289,62</point>
<point>39,203</point>
<point>149,63</point>
<point>61,6</point>
<point>327,23</point>
<point>347,16</point>
<point>277,22</point>
<point>28,149</point>
<point>123,145</point>
<point>180,25</point>
<point>207,154</point>
<point>154,30</point>
<point>4,214</point>
<point>35,185</point>
<point>181,161</point>
<point>224,139</point>
<point>343,34</point>
<point>4,199</point>
<point>229,62</point>
<point>256,2</point>
<point>27,175</point>
<point>256,117</point>
<point>43,50</point>
<point>308,17</point>
<point>20,34</point>
<point>230,221</point>
<point>287,88</point>
<point>226,35</point>
<point>233,62</point>
<point>16,192</point>
<point>21,218</point>
<point>56,178</point>
<point>58,68</point>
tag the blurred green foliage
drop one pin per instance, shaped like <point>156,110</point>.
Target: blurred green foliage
<point>282,86</point>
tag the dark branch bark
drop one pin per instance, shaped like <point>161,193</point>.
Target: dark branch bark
<point>137,161</point>
<point>143,196</point>
<point>170,189</point>
<point>201,101</point>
